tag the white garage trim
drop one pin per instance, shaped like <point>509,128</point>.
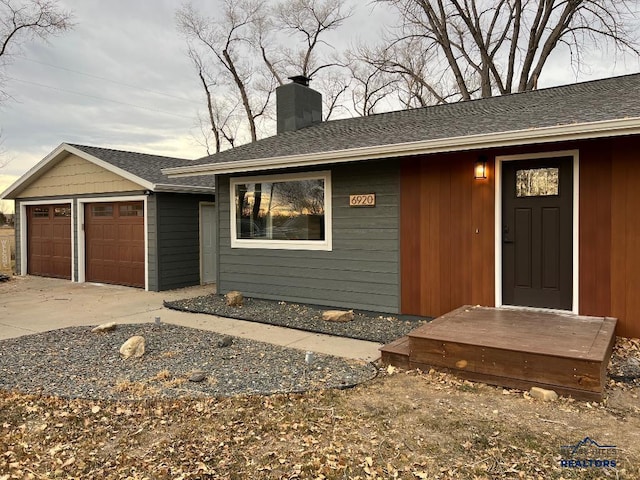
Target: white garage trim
<point>81,236</point>
<point>24,238</point>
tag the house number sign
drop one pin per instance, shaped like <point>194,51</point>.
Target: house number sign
<point>364,200</point>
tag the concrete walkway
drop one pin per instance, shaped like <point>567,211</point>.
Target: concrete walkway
<point>36,304</point>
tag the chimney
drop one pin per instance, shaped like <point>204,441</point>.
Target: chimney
<point>297,105</point>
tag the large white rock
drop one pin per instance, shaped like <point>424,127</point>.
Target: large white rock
<point>234,299</point>
<point>543,394</point>
<point>134,347</point>
<point>337,315</point>
<point>105,327</point>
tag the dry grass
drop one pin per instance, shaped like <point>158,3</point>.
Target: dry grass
<point>162,375</point>
<point>135,389</point>
<point>9,233</point>
<point>408,425</point>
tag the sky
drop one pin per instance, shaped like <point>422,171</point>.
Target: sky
<point>121,79</point>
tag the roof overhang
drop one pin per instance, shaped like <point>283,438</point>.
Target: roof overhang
<point>65,149</point>
<point>559,133</point>
<point>168,188</point>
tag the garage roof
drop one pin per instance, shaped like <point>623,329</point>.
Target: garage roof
<point>141,168</point>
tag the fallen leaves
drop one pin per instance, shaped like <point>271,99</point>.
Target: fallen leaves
<point>406,425</point>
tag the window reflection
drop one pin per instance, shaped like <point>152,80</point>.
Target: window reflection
<point>282,210</point>
<point>537,182</point>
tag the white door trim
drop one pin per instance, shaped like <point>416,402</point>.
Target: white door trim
<point>24,225</point>
<point>576,216</point>
<point>81,236</point>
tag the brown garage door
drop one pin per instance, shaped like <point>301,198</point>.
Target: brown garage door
<point>114,234</point>
<point>49,240</point>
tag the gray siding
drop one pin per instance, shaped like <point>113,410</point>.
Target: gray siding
<point>178,239</point>
<point>362,270</point>
<point>152,246</point>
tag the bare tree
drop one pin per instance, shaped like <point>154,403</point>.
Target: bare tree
<point>370,84</point>
<point>226,41</point>
<point>250,45</point>
<point>482,48</point>
<point>309,20</point>
<point>21,21</point>
<point>333,84</point>
<point>24,20</point>
<point>221,112</point>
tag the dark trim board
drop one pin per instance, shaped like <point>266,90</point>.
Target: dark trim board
<point>513,348</point>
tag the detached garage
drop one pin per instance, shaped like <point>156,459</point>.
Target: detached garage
<point>91,214</point>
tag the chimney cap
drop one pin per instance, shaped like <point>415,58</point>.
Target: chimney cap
<point>300,80</point>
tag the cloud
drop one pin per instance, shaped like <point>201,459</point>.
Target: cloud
<point>120,78</point>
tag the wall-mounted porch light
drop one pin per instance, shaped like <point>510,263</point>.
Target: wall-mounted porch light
<point>480,168</point>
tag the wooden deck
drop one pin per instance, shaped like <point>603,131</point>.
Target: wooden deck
<point>513,348</point>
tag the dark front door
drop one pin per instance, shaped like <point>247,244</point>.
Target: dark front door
<point>537,233</point>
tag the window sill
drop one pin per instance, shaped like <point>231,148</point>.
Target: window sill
<point>283,245</point>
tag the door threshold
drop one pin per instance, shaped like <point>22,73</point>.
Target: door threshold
<point>538,309</point>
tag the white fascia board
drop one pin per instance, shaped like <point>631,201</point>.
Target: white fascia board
<point>160,188</point>
<point>577,131</point>
<point>33,171</point>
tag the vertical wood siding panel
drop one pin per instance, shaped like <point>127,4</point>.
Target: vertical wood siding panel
<point>620,173</point>
<point>482,243</point>
<point>461,258</point>
<point>444,236</point>
<point>630,322</point>
<point>410,252</point>
<point>431,175</point>
<point>456,265</point>
<point>422,229</point>
<point>595,229</point>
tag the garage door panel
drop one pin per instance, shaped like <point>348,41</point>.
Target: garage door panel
<point>125,254</point>
<point>49,240</point>
<point>59,231</point>
<point>61,251</point>
<point>115,243</point>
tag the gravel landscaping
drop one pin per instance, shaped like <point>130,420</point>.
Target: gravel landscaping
<point>379,328</point>
<point>77,363</point>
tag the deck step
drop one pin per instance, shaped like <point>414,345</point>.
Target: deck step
<point>396,353</point>
<point>513,348</point>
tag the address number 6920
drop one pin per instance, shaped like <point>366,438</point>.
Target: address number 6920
<point>364,200</point>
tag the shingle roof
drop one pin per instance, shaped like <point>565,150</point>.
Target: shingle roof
<point>593,101</point>
<point>147,167</point>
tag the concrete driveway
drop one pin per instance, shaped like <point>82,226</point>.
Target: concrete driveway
<point>37,304</point>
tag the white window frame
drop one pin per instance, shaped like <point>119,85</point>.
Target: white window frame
<point>325,244</point>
